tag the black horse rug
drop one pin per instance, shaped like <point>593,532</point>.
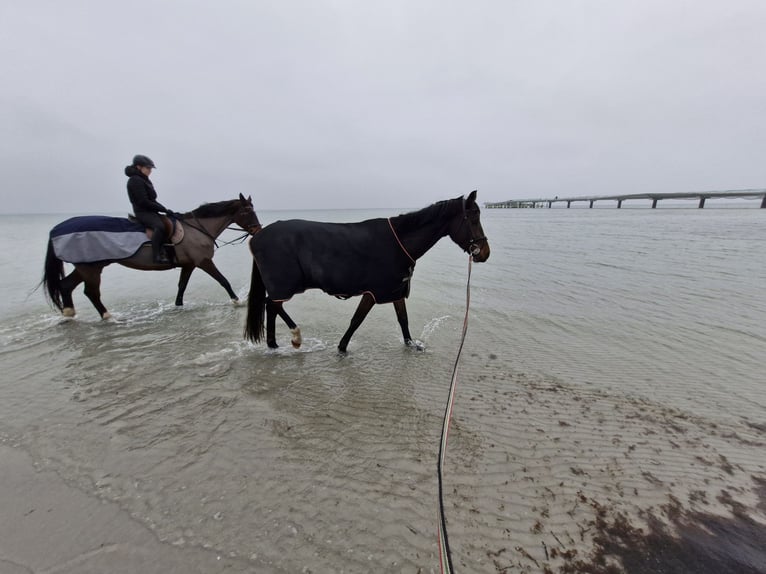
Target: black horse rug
<point>342,259</point>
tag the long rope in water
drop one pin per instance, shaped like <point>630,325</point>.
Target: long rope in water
<point>445,556</point>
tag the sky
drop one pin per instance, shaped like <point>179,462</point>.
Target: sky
<point>319,104</point>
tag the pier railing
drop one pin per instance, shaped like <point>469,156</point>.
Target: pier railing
<point>701,196</point>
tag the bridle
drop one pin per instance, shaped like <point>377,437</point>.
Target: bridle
<point>473,243</point>
<point>251,229</point>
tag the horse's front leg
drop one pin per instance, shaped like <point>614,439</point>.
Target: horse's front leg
<point>401,315</point>
<point>209,267</point>
<point>183,281</point>
<point>361,312</point>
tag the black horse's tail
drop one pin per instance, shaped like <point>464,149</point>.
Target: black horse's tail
<point>52,277</point>
<point>256,303</point>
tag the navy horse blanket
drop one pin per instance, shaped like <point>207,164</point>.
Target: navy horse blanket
<point>341,259</point>
<point>91,238</point>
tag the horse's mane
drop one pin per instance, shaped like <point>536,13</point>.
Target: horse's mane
<point>215,209</point>
<point>421,217</point>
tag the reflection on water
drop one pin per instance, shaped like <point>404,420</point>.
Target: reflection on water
<point>611,377</point>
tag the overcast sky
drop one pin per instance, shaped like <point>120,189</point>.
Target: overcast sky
<point>397,103</point>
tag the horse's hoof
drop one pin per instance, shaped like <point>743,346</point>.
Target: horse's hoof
<point>417,345</point>
<point>68,311</point>
<point>106,316</point>
<point>297,339</point>
<point>272,345</point>
<point>237,302</point>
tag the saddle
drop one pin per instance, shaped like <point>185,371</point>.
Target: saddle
<point>174,230</point>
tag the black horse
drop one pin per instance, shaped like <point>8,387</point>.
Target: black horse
<point>373,258</point>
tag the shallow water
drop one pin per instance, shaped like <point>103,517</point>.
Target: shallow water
<point>613,368</point>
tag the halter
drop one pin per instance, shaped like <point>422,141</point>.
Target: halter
<point>473,247</point>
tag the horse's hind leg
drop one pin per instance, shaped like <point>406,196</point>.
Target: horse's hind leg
<point>93,291</point>
<point>295,330</point>
<point>271,324</point>
<point>361,312</point>
<point>68,285</point>
<point>274,308</point>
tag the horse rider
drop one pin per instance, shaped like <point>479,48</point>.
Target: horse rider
<point>146,208</point>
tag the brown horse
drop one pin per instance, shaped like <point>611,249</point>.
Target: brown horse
<point>201,228</point>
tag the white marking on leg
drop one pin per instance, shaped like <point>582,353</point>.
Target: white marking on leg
<point>297,339</point>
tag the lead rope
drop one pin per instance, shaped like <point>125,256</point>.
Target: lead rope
<point>445,556</point>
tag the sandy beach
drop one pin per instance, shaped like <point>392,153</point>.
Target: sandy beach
<point>50,527</point>
<point>605,484</point>
<point>614,486</point>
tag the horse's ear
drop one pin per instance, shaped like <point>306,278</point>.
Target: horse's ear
<point>242,197</point>
<point>471,198</point>
<point>250,199</point>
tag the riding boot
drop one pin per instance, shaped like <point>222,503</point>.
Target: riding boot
<point>158,250</point>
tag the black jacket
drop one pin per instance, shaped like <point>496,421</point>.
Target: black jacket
<point>141,191</point>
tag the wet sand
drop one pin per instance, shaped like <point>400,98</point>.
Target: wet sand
<point>572,481</point>
<point>50,527</point>
<point>586,481</point>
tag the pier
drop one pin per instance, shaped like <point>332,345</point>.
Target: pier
<point>700,196</point>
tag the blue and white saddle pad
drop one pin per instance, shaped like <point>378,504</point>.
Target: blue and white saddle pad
<point>91,238</point>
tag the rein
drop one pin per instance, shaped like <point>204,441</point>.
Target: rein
<point>445,555</point>
<point>237,240</point>
<point>199,227</point>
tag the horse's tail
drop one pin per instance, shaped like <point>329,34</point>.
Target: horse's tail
<point>52,277</point>
<point>256,303</point>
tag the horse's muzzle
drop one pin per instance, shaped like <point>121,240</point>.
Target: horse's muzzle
<point>480,253</point>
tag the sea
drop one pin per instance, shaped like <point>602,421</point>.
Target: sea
<point>610,407</point>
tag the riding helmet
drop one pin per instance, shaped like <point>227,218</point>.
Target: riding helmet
<point>143,161</point>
